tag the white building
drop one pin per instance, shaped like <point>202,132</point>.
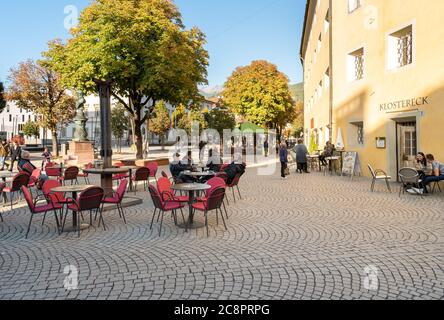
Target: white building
<point>13,118</point>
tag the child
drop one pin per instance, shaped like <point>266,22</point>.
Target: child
<point>47,158</point>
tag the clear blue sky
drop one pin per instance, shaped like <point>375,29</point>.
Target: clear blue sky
<point>238,31</point>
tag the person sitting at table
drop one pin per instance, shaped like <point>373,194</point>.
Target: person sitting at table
<point>436,176</point>
<point>25,165</point>
<point>328,152</point>
<point>236,167</point>
<point>214,162</point>
<point>301,156</point>
<point>422,166</point>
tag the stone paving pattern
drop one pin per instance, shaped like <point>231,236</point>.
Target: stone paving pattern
<point>310,237</point>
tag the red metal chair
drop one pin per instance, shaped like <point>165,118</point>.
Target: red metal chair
<point>235,183</point>
<point>212,203</point>
<point>153,167</point>
<point>164,206</point>
<point>20,180</point>
<point>89,200</point>
<point>85,175</point>
<point>120,176</point>
<point>215,183</point>
<point>34,178</point>
<point>71,174</point>
<point>117,198</point>
<point>224,166</point>
<point>165,175</point>
<point>48,207</point>
<point>56,197</point>
<point>51,172</point>
<point>141,175</point>
<point>164,187</point>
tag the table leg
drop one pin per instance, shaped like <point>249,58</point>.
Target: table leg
<point>131,187</point>
<point>5,199</point>
<point>74,214</point>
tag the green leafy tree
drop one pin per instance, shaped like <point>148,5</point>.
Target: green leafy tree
<point>31,129</point>
<point>2,97</point>
<point>179,113</point>
<point>143,47</point>
<point>193,115</point>
<point>37,88</point>
<point>219,119</point>
<point>259,93</point>
<point>160,122</point>
<point>119,123</point>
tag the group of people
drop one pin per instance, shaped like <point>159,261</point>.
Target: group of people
<point>430,170</point>
<point>16,154</point>
<point>302,153</point>
<point>214,164</point>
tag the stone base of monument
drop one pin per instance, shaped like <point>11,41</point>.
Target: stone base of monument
<point>83,152</point>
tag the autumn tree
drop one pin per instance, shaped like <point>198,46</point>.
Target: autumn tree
<point>2,97</point>
<point>260,94</point>
<point>298,122</point>
<point>143,47</point>
<point>37,88</point>
<point>31,129</point>
<point>119,123</point>
<point>219,119</point>
<point>160,122</point>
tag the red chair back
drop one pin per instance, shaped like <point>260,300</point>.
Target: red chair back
<point>91,199</point>
<point>164,188</point>
<point>164,174</point>
<point>47,191</point>
<point>142,174</point>
<point>35,176</point>
<point>224,166</point>
<point>21,179</point>
<point>215,199</point>
<point>155,196</point>
<point>28,197</point>
<point>235,181</point>
<point>215,183</point>
<point>71,173</point>
<point>153,167</point>
<point>121,190</point>
<point>52,172</point>
<point>119,164</point>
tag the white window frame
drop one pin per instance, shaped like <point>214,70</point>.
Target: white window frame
<point>350,64</point>
<point>390,66</point>
<point>358,6</point>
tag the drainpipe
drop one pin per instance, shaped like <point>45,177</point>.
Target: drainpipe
<point>330,68</point>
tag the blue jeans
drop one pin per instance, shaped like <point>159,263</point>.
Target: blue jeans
<point>429,179</point>
<point>2,162</point>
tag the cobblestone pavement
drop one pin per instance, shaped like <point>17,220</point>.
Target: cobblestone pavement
<point>310,237</point>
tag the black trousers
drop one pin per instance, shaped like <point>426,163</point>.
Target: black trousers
<point>303,167</point>
<point>283,167</point>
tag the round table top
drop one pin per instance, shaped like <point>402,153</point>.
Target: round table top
<point>6,174</point>
<point>108,171</point>
<point>131,167</point>
<point>73,188</point>
<point>199,174</point>
<point>313,156</point>
<point>191,187</point>
<point>333,158</point>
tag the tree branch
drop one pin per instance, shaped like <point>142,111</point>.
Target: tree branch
<point>127,107</point>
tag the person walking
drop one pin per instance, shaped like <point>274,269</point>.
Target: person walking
<point>301,156</point>
<point>283,155</point>
<point>4,153</point>
<point>266,148</point>
<point>46,158</point>
<point>16,152</point>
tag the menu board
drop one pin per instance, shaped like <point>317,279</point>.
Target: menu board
<point>350,164</point>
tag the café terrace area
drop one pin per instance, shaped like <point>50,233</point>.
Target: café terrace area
<point>311,236</point>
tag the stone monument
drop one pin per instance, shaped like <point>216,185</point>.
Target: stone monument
<point>81,150</point>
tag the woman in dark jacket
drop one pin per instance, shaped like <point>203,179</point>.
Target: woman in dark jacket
<point>283,155</point>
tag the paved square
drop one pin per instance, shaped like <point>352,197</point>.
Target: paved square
<point>310,237</point>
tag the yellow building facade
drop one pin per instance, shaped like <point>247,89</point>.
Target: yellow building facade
<point>374,78</point>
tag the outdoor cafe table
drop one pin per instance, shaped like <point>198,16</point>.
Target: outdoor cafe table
<point>74,189</point>
<point>313,159</point>
<point>107,174</point>
<point>3,176</point>
<point>199,175</point>
<point>330,163</point>
<point>191,188</point>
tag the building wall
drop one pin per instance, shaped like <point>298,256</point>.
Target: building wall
<point>370,100</point>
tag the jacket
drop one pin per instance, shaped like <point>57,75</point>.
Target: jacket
<point>283,155</point>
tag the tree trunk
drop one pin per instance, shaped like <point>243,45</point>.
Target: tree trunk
<point>162,141</point>
<point>55,143</point>
<point>139,138</point>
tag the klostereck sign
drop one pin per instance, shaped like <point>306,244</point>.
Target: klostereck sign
<point>404,104</point>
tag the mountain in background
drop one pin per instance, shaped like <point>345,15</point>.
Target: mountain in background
<point>297,91</point>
